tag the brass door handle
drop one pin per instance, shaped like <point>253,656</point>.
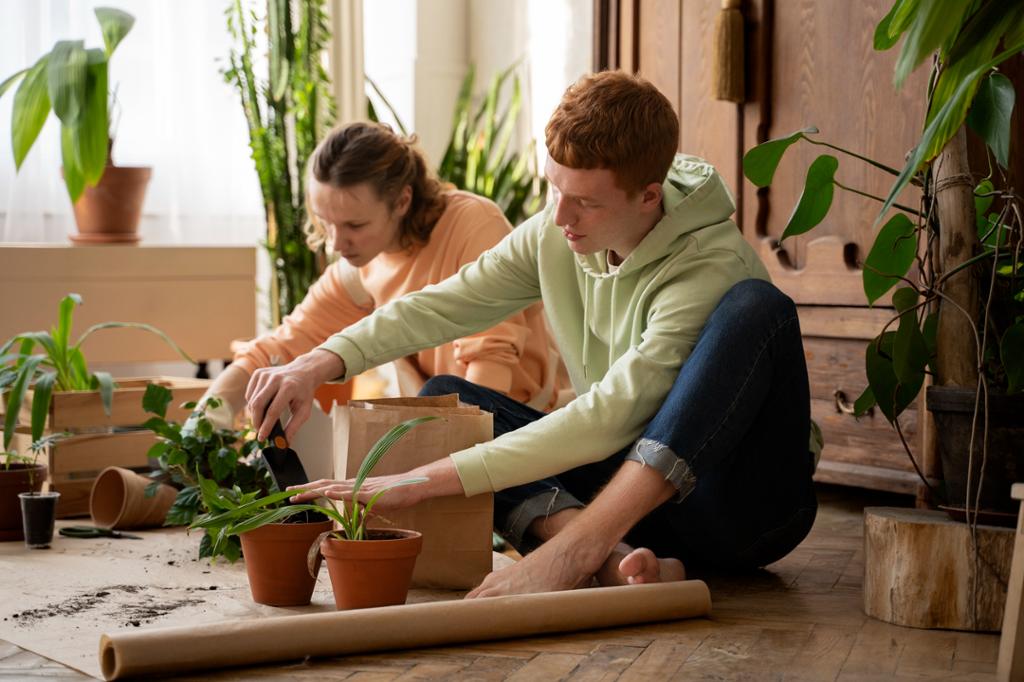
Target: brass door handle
<point>844,405</point>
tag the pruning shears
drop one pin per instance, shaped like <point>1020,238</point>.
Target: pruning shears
<point>94,532</point>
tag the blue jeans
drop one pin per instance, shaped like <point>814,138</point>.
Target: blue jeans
<point>731,436</point>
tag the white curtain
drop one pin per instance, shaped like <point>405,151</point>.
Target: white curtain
<point>175,113</point>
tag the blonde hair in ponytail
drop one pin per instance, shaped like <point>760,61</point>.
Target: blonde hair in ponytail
<point>371,152</point>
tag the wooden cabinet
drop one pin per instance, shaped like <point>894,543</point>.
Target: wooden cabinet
<point>807,63</point>
<point>202,297</point>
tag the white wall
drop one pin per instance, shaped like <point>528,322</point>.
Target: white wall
<point>418,53</point>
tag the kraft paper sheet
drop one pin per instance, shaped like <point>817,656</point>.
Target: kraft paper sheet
<point>152,601</point>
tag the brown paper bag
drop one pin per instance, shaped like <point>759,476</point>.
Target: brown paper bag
<point>456,530</point>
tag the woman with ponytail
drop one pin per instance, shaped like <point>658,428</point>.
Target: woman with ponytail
<point>372,199</point>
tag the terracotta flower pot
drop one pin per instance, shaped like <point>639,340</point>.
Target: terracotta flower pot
<point>110,211</point>
<point>118,500</point>
<point>275,560</point>
<point>15,479</point>
<point>38,513</point>
<point>374,572</point>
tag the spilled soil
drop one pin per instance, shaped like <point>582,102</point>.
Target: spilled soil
<point>132,605</point>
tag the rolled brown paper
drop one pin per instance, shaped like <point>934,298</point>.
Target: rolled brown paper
<point>249,642</point>
<point>118,500</point>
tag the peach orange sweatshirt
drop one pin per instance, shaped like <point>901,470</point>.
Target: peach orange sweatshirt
<point>515,357</point>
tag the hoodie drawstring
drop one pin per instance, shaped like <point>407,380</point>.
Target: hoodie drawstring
<point>586,328</point>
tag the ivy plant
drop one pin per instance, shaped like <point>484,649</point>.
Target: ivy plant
<point>189,454</point>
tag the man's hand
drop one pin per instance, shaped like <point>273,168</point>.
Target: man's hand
<point>271,389</point>
<point>442,480</point>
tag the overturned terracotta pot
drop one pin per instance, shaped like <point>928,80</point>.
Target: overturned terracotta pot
<point>118,500</point>
<point>275,561</point>
<point>373,572</point>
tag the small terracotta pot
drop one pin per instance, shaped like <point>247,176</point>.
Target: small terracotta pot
<point>118,500</point>
<point>15,479</point>
<point>38,511</point>
<point>110,211</point>
<point>275,560</point>
<point>373,572</point>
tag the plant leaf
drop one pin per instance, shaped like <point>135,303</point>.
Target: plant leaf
<point>31,107</point>
<point>891,256</point>
<point>891,396</point>
<point>65,79</point>
<point>115,25</point>
<point>134,325</point>
<point>74,179</point>
<point>156,399</point>
<point>909,350</point>
<point>64,318</point>
<point>42,391</point>
<point>760,163</point>
<point>105,383</point>
<point>92,132</point>
<point>933,23</point>
<point>17,394</point>
<point>990,115</point>
<point>11,80</point>
<point>816,198</point>
<point>864,403</point>
<point>1011,352</point>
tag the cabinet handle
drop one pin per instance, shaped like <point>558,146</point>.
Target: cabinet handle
<point>844,405</point>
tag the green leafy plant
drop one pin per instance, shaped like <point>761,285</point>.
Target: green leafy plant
<point>72,80</point>
<point>287,111</point>
<point>233,512</point>
<point>60,367</point>
<point>189,454</point>
<point>969,41</point>
<point>478,157</point>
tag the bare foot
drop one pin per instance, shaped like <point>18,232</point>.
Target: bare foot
<point>628,566</point>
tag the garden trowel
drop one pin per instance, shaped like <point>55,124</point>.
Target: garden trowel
<point>283,462</point>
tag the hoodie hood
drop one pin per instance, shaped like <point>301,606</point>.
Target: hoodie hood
<point>694,197</point>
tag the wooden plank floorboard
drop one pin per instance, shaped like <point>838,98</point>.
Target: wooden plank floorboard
<point>801,619</point>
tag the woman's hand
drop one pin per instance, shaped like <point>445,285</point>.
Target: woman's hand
<point>396,498</point>
<point>271,389</point>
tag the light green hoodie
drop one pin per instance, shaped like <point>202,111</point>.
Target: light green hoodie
<point>623,335</point>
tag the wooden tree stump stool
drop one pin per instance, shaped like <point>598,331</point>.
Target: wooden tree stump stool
<point>920,570</point>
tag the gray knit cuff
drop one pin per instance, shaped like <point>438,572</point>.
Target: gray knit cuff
<point>661,458</point>
<point>543,505</point>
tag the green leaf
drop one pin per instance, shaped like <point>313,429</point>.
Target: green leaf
<point>66,76</point>
<point>157,450</point>
<point>64,317</point>
<point>26,373</point>
<point>816,198</point>
<point>156,399</point>
<point>942,127</point>
<point>185,507</point>
<point>892,396</point>
<point>1011,352</point>
<point>151,489</point>
<point>909,350</point>
<point>160,427</point>
<point>883,39</point>
<point>105,382</point>
<point>42,390</point>
<point>11,80</point>
<point>930,332</point>
<point>864,403</point>
<point>205,546</point>
<point>74,178</point>
<point>982,203</point>
<point>933,23</point>
<point>92,133</point>
<point>134,325</point>
<point>31,107</point>
<point>115,25</point>
<point>891,256</point>
<point>761,162</point>
<point>990,115</point>
<point>231,549</point>
<point>222,463</point>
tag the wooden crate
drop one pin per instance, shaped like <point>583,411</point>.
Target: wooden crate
<point>99,440</point>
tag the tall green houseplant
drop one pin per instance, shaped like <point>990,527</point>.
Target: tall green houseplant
<point>287,111</point>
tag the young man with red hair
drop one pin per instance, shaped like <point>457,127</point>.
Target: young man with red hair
<point>688,441</point>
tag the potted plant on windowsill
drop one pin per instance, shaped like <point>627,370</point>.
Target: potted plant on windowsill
<point>954,259</point>
<point>72,80</point>
<point>368,567</point>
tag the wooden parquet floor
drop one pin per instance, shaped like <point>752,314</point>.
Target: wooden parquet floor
<point>800,619</point>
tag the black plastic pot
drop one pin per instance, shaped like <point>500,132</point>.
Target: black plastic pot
<point>38,512</point>
<point>953,410</point>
